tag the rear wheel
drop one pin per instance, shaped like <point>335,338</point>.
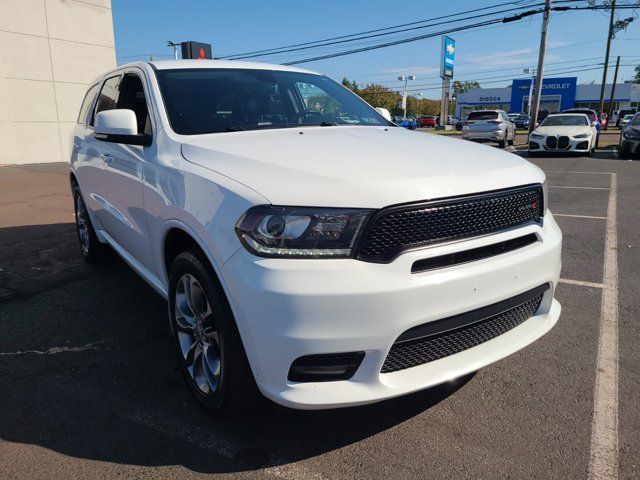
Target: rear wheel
<point>503,143</point>
<point>90,247</point>
<point>209,347</point>
<point>513,139</point>
<point>623,153</point>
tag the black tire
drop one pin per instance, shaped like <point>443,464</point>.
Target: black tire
<point>512,141</point>
<point>236,389</point>
<point>502,143</point>
<point>623,153</point>
<point>90,247</point>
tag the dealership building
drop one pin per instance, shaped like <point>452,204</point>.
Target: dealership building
<point>557,94</point>
<point>49,52</point>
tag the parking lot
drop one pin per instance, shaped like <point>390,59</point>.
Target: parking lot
<point>90,388</point>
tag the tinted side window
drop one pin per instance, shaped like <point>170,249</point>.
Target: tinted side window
<point>86,103</point>
<point>108,95</point>
<point>131,96</point>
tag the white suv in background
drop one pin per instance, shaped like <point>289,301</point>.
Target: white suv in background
<point>308,248</point>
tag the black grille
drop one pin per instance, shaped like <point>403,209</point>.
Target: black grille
<point>396,229</point>
<point>563,142</point>
<point>410,353</point>
<point>551,143</point>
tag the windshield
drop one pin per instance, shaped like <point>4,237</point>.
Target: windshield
<point>635,120</point>
<point>216,100</point>
<point>565,120</point>
<point>628,117</point>
<point>522,117</point>
<point>483,115</point>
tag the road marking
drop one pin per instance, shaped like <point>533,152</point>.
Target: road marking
<point>578,216</point>
<point>603,457</point>
<point>579,188</point>
<point>581,283</point>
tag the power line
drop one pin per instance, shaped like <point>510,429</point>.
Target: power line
<point>376,33</point>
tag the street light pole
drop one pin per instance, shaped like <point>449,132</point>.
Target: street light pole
<point>543,47</point>
<point>532,72</point>
<point>405,79</point>
<point>175,48</point>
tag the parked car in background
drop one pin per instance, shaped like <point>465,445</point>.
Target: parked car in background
<point>630,139</point>
<point>542,114</point>
<point>564,133</point>
<point>521,120</point>
<point>459,124</point>
<point>408,122</point>
<point>621,114</point>
<point>427,121</point>
<point>604,120</point>
<point>489,126</point>
<point>323,264</point>
<point>625,121</point>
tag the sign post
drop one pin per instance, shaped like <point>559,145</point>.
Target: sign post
<point>446,73</point>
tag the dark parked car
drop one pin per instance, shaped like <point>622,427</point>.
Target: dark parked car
<point>622,113</point>
<point>542,114</point>
<point>521,121</point>
<point>630,139</point>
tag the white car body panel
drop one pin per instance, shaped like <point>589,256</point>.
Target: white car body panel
<point>285,308</point>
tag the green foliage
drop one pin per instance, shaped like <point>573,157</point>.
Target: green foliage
<point>350,84</point>
<point>463,87</point>
<point>636,79</point>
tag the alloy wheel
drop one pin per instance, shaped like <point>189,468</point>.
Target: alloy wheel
<point>82,224</point>
<point>197,335</point>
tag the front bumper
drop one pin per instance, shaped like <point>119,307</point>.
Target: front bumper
<point>286,309</point>
<point>573,145</point>
<point>630,146</point>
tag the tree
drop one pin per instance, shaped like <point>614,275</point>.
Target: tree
<point>350,84</point>
<point>463,87</point>
<point>636,79</point>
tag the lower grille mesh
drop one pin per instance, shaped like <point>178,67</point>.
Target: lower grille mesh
<point>411,353</point>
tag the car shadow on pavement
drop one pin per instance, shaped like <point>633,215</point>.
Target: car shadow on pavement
<point>87,370</point>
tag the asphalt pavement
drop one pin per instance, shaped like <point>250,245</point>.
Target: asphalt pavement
<point>89,387</point>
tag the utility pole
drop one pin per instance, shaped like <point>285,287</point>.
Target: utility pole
<point>404,95</point>
<point>606,55</point>
<point>613,91</point>
<point>543,46</point>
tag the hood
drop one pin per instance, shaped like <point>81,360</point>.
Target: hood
<point>366,167</point>
<point>563,130</point>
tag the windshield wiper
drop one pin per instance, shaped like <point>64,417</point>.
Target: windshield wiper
<point>328,124</point>
<point>234,129</point>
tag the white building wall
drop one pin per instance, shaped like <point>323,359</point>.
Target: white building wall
<point>49,52</point>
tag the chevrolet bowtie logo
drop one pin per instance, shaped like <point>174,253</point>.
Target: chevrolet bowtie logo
<point>524,87</point>
<point>450,49</point>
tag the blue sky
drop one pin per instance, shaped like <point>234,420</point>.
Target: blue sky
<point>491,55</point>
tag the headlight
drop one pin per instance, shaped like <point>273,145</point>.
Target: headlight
<point>270,231</point>
<point>536,136</point>
<point>545,196</point>
<point>582,135</point>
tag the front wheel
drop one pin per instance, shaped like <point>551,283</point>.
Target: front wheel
<point>90,247</point>
<point>209,347</point>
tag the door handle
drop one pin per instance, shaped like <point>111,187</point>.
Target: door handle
<point>106,157</point>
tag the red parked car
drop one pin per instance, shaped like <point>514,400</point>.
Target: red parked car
<point>426,121</point>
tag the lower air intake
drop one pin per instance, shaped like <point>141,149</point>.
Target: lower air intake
<point>461,332</point>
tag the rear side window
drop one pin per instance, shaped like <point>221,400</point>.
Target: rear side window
<point>86,103</point>
<point>108,95</point>
<point>483,115</point>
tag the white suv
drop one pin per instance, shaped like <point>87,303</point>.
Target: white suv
<point>308,248</point>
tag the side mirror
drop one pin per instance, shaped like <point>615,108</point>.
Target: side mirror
<point>119,126</point>
<point>385,113</point>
